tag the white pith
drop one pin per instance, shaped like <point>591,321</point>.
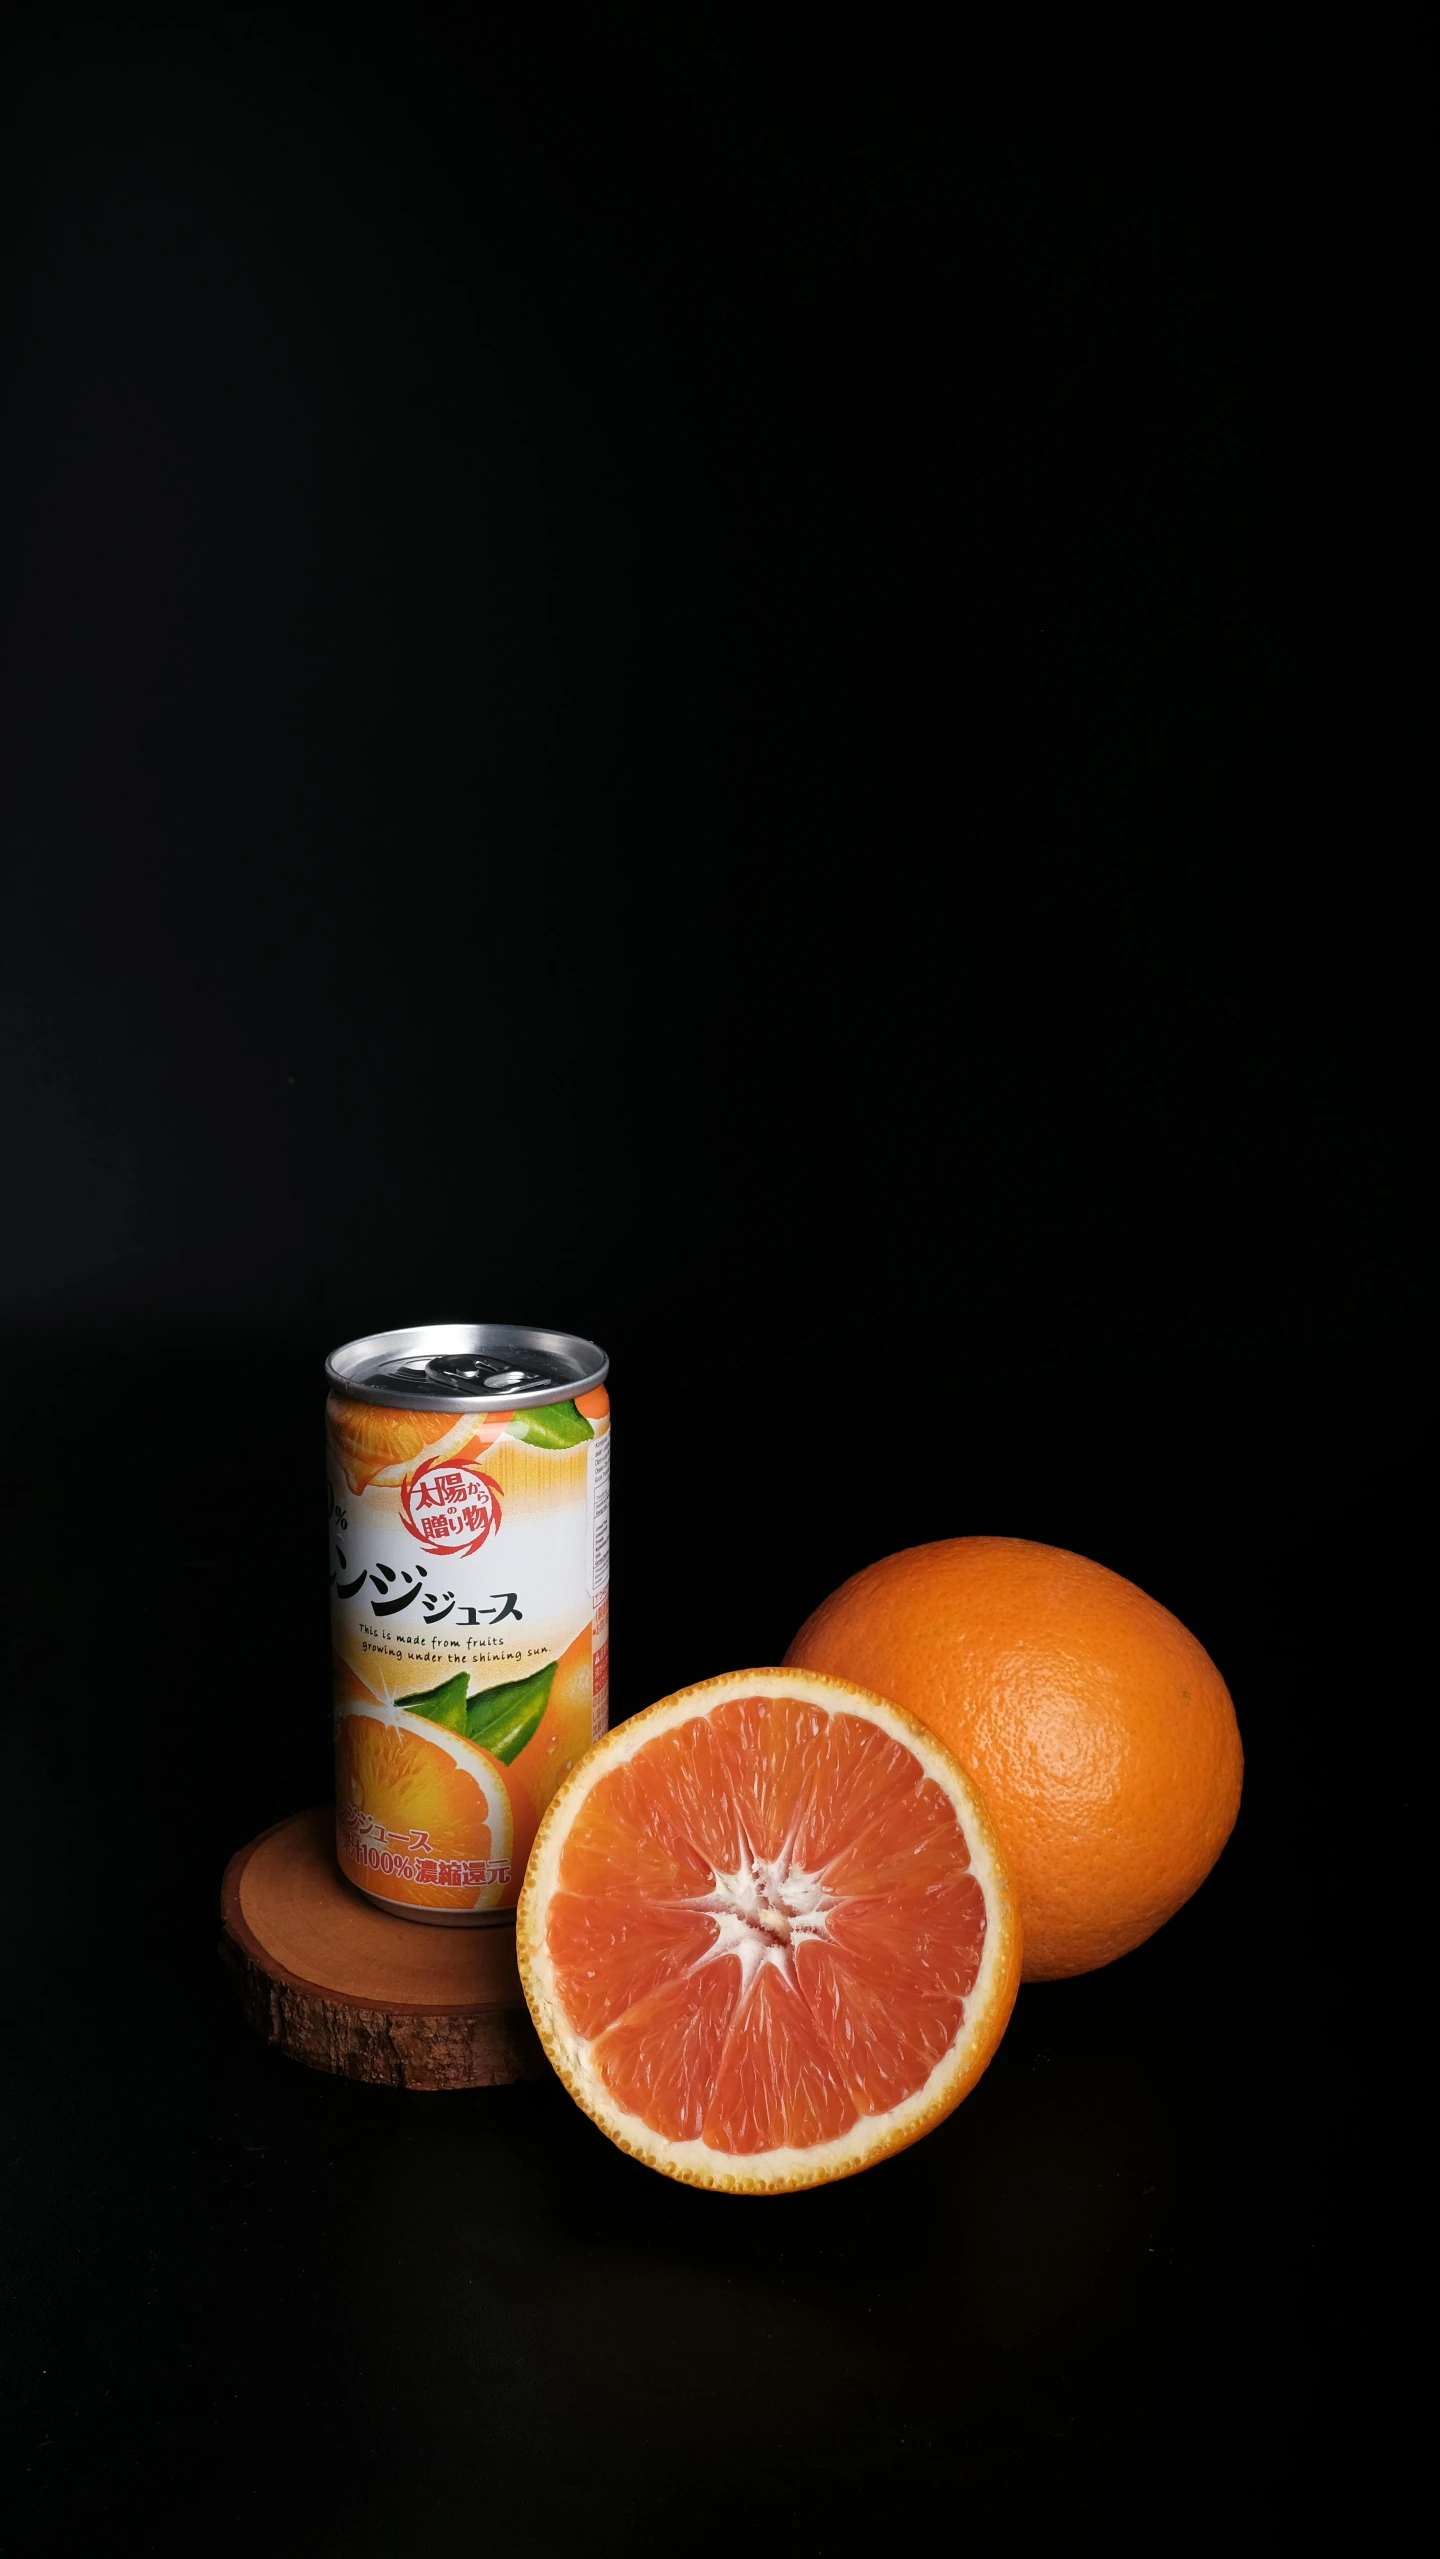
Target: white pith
<point>765,1909</point>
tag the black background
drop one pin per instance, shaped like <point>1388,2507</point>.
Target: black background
<point>692,681</point>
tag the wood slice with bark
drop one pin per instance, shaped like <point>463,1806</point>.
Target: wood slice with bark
<point>337,1984</point>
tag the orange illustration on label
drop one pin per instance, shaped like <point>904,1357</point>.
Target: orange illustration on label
<point>469,1579</point>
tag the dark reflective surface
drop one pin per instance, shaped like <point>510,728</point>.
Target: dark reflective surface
<point>840,561</point>
<point>234,2278</point>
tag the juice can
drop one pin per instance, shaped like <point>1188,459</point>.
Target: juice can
<point>469,1480</point>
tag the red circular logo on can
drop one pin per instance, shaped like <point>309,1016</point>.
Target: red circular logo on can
<point>451,1509</point>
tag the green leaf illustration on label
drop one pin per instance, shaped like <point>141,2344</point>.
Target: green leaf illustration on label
<point>550,1426</point>
<point>502,1720</point>
<point>442,1705</point>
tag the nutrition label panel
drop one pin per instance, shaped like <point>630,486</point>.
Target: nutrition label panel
<point>599,1487</point>
<point>599,1454</point>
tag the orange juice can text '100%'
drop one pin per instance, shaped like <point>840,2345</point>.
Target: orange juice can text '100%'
<point>469,1473</point>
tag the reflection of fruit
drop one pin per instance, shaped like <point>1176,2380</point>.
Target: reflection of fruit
<point>565,1732</point>
<point>424,1794</point>
<point>378,1443</point>
<point>765,1933</point>
<point>1102,1734</point>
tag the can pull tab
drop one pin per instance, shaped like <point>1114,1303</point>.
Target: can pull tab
<point>470,1372</point>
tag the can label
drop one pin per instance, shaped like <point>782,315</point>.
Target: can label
<point>469,1584</point>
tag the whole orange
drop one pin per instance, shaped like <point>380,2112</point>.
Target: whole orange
<point>1101,1733</point>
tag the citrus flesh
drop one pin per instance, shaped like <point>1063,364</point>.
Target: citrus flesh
<point>423,1816</point>
<point>1100,1731</point>
<point>765,1932</point>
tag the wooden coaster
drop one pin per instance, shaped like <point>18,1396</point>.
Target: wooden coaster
<point>335,1983</point>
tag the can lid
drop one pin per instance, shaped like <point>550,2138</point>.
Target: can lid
<point>467,1368</point>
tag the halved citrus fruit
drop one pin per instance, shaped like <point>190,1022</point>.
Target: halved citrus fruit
<point>380,1443</point>
<point>765,1932</point>
<point>422,1816</point>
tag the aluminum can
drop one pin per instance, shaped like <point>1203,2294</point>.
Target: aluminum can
<point>469,1485</point>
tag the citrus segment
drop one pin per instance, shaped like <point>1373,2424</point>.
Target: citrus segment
<point>609,1965</point>
<point>886,2036</point>
<point>619,1852</point>
<point>780,2084</point>
<point>765,1932</point>
<point>659,2061</point>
